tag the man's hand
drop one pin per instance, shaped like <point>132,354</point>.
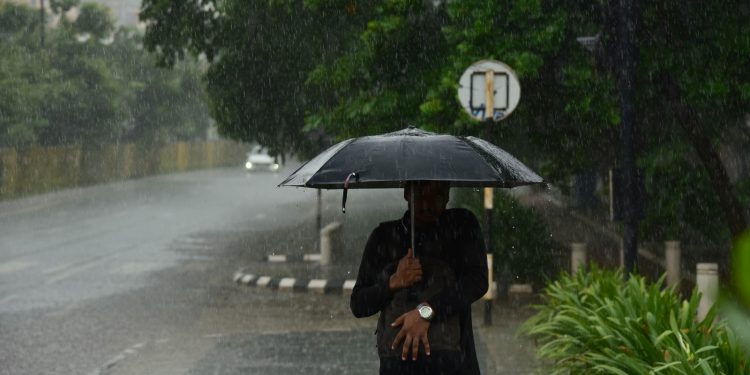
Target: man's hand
<point>408,272</point>
<point>414,329</point>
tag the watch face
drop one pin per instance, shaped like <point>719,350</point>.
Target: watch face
<point>425,312</point>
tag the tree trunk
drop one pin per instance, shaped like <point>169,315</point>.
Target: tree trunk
<point>734,216</point>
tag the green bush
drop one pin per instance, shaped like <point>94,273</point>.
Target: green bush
<point>520,239</point>
<point>593,322</point>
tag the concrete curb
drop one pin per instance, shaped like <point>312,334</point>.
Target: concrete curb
<point>292,258</point>
<point>291,284</point>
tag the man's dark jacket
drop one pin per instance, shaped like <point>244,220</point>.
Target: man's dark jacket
<point>460,245</point>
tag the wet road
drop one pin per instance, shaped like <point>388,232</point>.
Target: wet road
<point>135,277</point>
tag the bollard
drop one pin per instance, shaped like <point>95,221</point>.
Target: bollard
<point>330,243</point>
<point>707,282</point>
<point>672,260</point>
<point>577,256</point>
<point>490,295</point>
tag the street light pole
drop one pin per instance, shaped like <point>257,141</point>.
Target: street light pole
<point>625,62</point>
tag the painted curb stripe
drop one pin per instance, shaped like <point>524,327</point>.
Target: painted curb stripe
<point>276,258</point>
<point>317,286</point>
<point>287,284</point>
<point>280,258</point>
<point>247,279</point>
<point>312,257</point>
<point>349,285</point>
<point>263,281</point>
<point>333,286</point>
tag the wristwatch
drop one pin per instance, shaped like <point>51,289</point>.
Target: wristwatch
<point>425,311</point>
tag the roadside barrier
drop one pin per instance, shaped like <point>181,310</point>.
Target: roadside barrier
<point>35,169</point>
<point>707,282</point>
<point>577,256</point>
<point>331,243</point>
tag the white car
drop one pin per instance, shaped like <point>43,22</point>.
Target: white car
<point>259,159</point>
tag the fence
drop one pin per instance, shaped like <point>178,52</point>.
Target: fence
<point>36,169</point>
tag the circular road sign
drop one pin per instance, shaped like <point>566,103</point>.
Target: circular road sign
<point>489,89</point>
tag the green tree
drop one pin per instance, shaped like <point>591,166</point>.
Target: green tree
<point>95,20</point>
<point>259,54</point>
<point>74,91</point>
<point>22,79</point>
<point>370,67</point>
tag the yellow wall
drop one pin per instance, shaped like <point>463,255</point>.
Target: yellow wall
<point>35,169</point>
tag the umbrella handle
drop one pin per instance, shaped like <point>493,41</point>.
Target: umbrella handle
<point>346,187</point>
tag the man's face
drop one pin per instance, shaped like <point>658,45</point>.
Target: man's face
<point>430,200</point>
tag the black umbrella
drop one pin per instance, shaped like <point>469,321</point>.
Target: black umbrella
<point>390,160</point>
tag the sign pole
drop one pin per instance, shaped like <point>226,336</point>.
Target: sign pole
<point>488,196</point>
<point>489,91</point>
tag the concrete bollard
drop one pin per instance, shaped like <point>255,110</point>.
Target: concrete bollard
<point>672,260</point>
<point>707,282</point>
<point>330,243</point>
<point>577,256</point>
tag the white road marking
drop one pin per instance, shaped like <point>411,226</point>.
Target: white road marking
<point>63,311</point>
<point>15,266</point>
<point>118,358</point>
<point>56,268</point>
<point>71,272</point>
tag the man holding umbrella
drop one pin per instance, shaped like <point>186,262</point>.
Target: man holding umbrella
<point>424,301</point>
<point>422,272</point>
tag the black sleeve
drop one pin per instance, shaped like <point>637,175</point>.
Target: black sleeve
<point>371,292</point>
<point>472,281</point>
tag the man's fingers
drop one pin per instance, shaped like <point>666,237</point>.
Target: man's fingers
<point>426,343</point>
<point>399,320</point>
<point>414,348</point>
<point>407,344</point>
<point>410,253</point>
<point>397,340</point>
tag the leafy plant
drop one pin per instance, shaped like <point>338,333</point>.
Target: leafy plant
<point>593,322</point>
<point>521,242</point>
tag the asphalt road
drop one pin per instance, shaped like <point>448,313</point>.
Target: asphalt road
<point>136,278</point>
<point>112,277</point>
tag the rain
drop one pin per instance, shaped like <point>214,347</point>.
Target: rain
<point>358,187</point>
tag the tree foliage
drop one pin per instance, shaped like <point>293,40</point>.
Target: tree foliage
<point>280,69</point>
<point>76,89</point>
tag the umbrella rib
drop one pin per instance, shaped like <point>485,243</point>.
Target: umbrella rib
<point>291,176</point>
<point>487,158</point>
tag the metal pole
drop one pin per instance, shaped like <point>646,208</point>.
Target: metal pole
<point>489,95</point>
<point>488,198</point>
<point>319,217</point>
<point>626,86</point>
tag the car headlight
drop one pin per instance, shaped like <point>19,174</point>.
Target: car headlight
<point>275,166</point>
<point>249,165</point>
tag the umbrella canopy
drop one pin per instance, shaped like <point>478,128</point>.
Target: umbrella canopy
<point>390,160</point>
